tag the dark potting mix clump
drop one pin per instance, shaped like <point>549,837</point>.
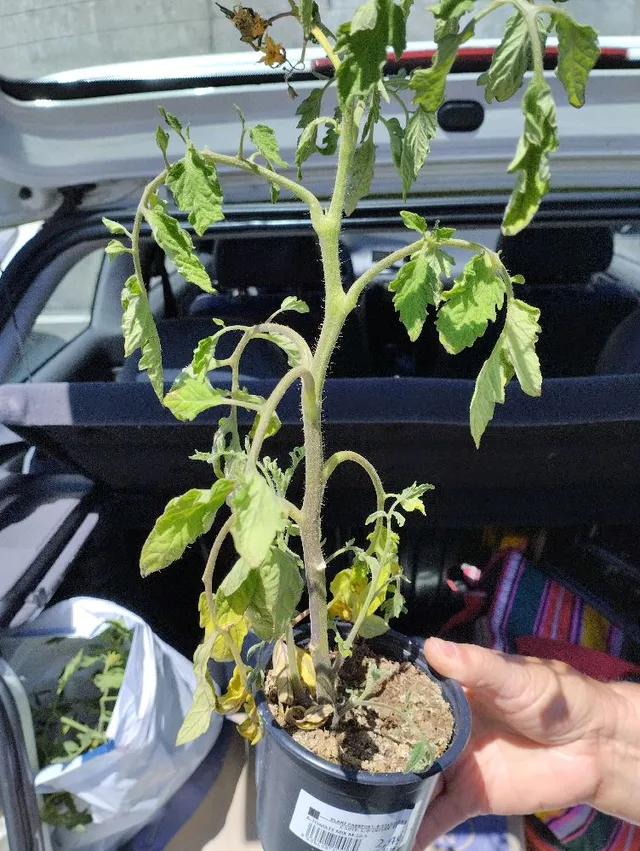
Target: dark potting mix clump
<point>376,738</point>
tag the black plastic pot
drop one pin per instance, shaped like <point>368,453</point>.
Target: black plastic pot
<point>305,802</point>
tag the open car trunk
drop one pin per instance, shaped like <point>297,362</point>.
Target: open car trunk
<point>92,457</point>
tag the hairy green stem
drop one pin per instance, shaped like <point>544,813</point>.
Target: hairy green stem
<point>268,409</point>
<point>360,284</point>
<point>347,455</point>
<point>311,535</point>
<point>269,176</point>
<point>207,576</point>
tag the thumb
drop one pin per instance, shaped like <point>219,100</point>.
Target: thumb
<point>445,813</point>
<point>490,675</point>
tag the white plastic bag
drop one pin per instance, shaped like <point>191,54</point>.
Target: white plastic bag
<point>129,778</point>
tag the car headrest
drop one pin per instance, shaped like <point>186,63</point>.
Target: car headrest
<point>278,264</point>
<point>557,255</point>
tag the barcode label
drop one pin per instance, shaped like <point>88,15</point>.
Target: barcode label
<point>328,841</point>
<point>328,828</point>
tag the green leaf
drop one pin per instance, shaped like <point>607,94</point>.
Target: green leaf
<point>264,139</point>
<point>429,84</point>
<point>190,396</point>
<point>421,758</point>
<point>420,131</point>
<point>291,302</point>
<point>259,515</point>
<point>198,718</point>
<point>496,372</point>
<point>235,580</point>
<point>578,52</point>
<point>413,221</point>
<point>114,248</point>
<point>204,360</point>
<point>539,139</point>
<point>361,175</point>
<point>468,308</point>
<point>193,182</point>
<point>294,357</point>
<point>140,332</point>
<point>183,521</point>
<point>171,121</point>
<point>306,146</point>
<point>309,108</point>
<point>305,11</point>
<point>514,353</point>
<point>417,285</point>
<point>448,10</point>
<point>69,670</point>
<point>396,138</point>
<point>272,428</point>
<point>372,626</point>
<point>512,59</point>
<point>375,25</point>
<point>115,227</point>
<point>177,244</point>
<point>410,499</point>
<point>278,590</point>
<point>162,140</point>
<point>521,335</point>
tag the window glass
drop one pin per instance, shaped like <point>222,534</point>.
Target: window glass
<point>66,314</point>
<point>46,37</point>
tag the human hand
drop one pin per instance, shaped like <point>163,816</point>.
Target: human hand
<point>540,730</point>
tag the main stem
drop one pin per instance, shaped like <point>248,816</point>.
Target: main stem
<point>326,224</point>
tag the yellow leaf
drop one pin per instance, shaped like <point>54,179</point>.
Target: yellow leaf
<point>312,718</point>
<point>251,727</point>
<point>236,633</point>
<point>306,668</point>
<point>235,695</point>
<point>280,664</point>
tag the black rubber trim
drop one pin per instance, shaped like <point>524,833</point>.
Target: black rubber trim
<point>17,792</point>
<point>35,490</point>
<point>29,90</point>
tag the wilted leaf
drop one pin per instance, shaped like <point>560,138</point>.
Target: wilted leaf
<point>513,353</point>
<point>472,303</point>
<point>418,135</point>
<point>312,718</point>
<point>177,244</point>
<point>421,758</point>
<point>264,139</point>
<point>361,175</point>
<point>416,285</point>
<point>193,182</point>
<point>183,521</point>
<point>198,718</point>
<point>259,515</point>
<point>512,59</point>
<point>540,138</point>
<point>279,586</point>
<point>234,697</point>
<point>139,330</point>
<point>578,52</point>
<point>190,396</point>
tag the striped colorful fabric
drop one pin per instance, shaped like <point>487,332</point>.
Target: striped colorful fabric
<point>528,603</point>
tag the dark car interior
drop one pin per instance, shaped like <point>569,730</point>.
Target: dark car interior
<point>92,435</point>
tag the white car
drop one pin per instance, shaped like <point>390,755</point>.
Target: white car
<point>88,457</point>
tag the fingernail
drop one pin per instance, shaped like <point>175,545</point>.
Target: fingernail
<point>444,648</point>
